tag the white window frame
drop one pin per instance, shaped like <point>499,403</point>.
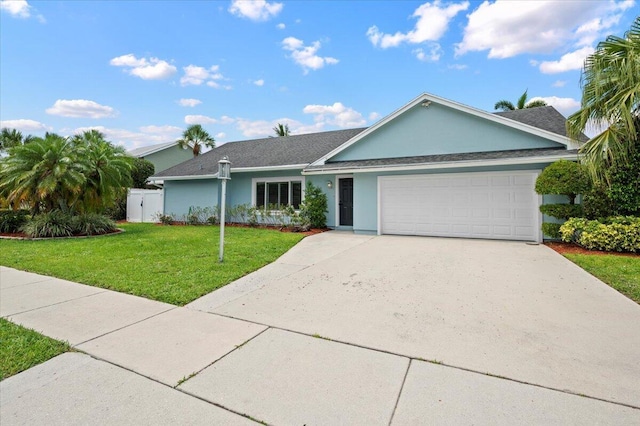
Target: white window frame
<point>289,179</point>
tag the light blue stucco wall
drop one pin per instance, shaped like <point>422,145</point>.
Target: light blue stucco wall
<point>439,130</point>
<point>179,195</point>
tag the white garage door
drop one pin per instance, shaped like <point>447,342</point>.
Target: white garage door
<point>497,205</point>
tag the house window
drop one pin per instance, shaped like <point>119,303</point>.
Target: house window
<point>278,194</point>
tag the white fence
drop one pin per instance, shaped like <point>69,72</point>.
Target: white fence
<point>143,205</point>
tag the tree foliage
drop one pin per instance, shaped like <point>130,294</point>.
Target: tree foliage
<point>521,103</point>
<point>282,130</point>
<point>141,171</point>
<point>12,137</point>
<point>196,137</point>
<point>611,100</point>
<point>563,178</point>
<point>84,173</point>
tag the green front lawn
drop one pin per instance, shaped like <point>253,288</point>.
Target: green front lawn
<point>173,264</point>
<point>22,348</point>
<point>620,272</point>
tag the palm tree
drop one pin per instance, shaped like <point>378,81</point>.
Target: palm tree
<point>281,130</point>
<point>195,136</point>
<point>610,99</point>
<point>43,174</point>
<point>12,137</point>
<point>107,169</point>
<point>522,103</point>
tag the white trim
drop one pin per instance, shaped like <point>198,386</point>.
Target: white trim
<point>454,105</point>
<point>158,148</point>
<point>337,196</point>
<point>289,179</point>
<point>189,177</point>
<point>269,168</point>
<point>537,197</point>
<point>443,165</point>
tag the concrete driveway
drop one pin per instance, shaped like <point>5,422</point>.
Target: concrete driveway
<point>507,309</point>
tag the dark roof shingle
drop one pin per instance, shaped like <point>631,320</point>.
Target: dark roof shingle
<point>545,118</point>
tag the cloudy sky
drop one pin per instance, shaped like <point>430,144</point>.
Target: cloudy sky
<point>142,71</point>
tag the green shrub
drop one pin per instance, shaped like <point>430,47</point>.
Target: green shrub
<point>92,224</point>
<point>564,178</point>
<point>165,219</point>
<point>201,216</point>
<point>315,206</point>
<point>551,230</point>
<point>51,224</point>
<point>12,220</point>
<point>620,233</point>
<point>624,184</point>
<point>141,171</point>
<point>562,211</point>
<point>597,203</point>
<point>118,211</point>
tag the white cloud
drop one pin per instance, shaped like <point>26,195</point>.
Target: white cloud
<point>432,55</point>
<point>306,56</point>
<point>189,102</point>
<point>147,135</point>
<point>255,10</point>
<point>199,119</point>
<point>336,115</point>
<point>510,28</point>
<point>146,69</point>
<point>264,128</point>
<point>374,116</point>
<point>568,62</point>
<point>566,106</point>
<point>458,67</point>
<point>16,8</point>
<point>25,125</point>
<point>281,26</point>
<point>81,108</point>
<point>559,83</point>
<point>220,135</point>
<point>433,21</point>
<point>259,82</point>
<point>195,76</point>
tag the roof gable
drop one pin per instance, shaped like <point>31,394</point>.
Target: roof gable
<point>430,125</point>
<point>151,149</point>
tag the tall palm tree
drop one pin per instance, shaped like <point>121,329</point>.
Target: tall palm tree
<point>522,103</point>
<point>281,130</point>
<point>610,99</point>
<point>44,174</point>
<point>195,136</point>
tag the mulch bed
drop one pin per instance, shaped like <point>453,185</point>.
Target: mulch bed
<point>570,248</point>
<point>273,228</point>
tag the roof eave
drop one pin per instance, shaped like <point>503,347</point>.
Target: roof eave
<point>442,165</point>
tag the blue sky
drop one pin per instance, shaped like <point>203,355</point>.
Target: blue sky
<point>142,71</point>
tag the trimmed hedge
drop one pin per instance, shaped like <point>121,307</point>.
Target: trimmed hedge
<point>620,233</point>
<point>562,211</point>
<point>12,220</point>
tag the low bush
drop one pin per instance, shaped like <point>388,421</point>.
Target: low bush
<point>620,233</point>
<point>12,220</point>
<point>55,223</point>
<point>551,230</point>
<point>201,216</point>
<point>315,206</point>
<point>165,219</point>
<point>92,224</point>
<point>562,211</point>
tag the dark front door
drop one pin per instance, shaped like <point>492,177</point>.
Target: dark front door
<point>345,194</point>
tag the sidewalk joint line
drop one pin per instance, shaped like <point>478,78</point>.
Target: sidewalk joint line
<point>404,380</point>
<point>57,303</point>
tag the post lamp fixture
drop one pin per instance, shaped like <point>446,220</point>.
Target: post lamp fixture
<point>224,174</point>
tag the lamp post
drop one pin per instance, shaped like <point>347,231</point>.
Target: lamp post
<point>224,174</point>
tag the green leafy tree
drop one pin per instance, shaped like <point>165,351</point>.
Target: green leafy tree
<point>12,137</point>
<point>521,103</point>
<point>141,171</point>
<point>610,99</point>
<point>43,174</point>
<point>196,137</point>
<point>282,130</point>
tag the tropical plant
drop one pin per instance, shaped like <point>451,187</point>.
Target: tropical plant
<point>314,207</point>
<point>195,137</point>
<point>521,103</point>
<point>610,100</point>
<point>282,130</point>
<point>141,171</point>
<point>43,175</point>
<point>12,137</point>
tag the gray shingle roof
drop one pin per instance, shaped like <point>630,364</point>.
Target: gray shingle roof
<point>546,118</point>
<point>445,158</point>
<point>267,152</point>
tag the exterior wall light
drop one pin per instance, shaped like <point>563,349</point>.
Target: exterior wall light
<point>329,184</point>
<point>224,174</point>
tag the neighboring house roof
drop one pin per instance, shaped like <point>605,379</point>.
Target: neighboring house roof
<point>148,150</point>
<point>295,151</point>
<point>546,117</point>
<point>519,156</point>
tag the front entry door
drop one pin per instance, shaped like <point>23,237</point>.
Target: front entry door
<point>345,194</point>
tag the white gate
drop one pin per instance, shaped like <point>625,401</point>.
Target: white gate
<point>143,205</point>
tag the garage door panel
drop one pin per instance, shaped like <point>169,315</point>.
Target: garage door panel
<point>486,205</point>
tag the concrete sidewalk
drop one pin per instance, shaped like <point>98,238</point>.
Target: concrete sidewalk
<point>143,362</point>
